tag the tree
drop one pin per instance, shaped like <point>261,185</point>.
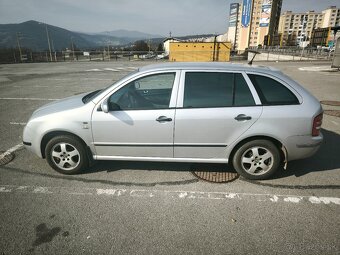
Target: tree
<point>160,47</point>
<point>140,46</point>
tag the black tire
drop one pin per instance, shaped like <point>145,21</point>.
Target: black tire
<point>66,154</point>
<point>257,159</point>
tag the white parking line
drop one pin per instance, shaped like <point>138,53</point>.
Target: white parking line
<point>117,69</point>
<point>36,86</point>
<point>191,195</point>
<point>30,99</point>
<point>11,150</point>
<point>18,123</point>
<point>111,69</point>
<point>93,70</point>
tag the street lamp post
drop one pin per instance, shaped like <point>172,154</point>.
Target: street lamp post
<point>72,48</point>
<point>48,41</point>
<point>18,42</point>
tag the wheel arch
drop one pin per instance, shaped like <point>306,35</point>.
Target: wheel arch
<point>277,143</point>
<point>47,137</point>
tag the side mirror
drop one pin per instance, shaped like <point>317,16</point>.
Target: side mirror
<point>105,106</point>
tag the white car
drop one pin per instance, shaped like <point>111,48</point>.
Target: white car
<point>254,118</point>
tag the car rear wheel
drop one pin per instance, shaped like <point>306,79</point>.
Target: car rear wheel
<point>66,154</point>
<point>257,159</point>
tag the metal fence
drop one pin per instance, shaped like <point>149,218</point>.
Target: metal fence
<point>27,56</point>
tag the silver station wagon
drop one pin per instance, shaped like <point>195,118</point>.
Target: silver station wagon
<point>254,118</point>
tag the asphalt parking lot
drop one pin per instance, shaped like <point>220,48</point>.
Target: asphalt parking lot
<point>159,208</point>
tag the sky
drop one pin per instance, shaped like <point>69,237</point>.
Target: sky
<point>157,17</point>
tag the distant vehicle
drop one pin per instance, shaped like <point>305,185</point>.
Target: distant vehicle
<point>254,118</point>
<point>147,56</point>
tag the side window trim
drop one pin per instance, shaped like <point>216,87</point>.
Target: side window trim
<point>291,89</point>
<point>252,89</point>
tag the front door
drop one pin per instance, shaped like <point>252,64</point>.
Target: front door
<point>140,122</point>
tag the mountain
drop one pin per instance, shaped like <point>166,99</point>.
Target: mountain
<point>33,35</point>
<point>136,35</point>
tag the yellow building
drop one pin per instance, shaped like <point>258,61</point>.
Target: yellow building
<point>199,51</point>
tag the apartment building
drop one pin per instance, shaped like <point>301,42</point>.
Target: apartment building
<point>331,17</point>
<point>297,28</point>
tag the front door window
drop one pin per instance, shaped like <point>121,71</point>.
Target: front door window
<point>147,93</point>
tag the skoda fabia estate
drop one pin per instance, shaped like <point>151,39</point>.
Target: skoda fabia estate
<point>254,118</point>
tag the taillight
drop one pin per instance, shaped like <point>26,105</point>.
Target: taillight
<point>317,122</point>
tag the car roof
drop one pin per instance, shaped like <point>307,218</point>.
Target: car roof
<point>207,66</point>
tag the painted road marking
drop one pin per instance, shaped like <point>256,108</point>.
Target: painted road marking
<point>18,123</point>
<point>316,68</point>
<point>117,69</point>
<point>30,99</point>
<point>37,86</point>
<point>11,150</point>
<point>111,69</point>
<point>93,70</point>
<point>150,194</point>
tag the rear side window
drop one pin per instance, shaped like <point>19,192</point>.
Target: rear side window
<point>210,89</point>
<point>272,92</point>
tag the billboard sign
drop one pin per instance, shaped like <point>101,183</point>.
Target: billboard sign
<point>233,15</point>
<point>265,13</point>
<point>246,12</point>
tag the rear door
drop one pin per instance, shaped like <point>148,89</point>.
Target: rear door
<point>214,109</point>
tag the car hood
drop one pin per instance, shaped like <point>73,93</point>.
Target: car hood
<point>60,106</point>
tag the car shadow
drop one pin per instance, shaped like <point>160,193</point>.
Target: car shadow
<point>326,158</point>
<point>111,166</point>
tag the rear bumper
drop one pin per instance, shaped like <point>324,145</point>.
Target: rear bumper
<point>299,147</point>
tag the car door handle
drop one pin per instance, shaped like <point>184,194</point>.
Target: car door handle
<point>242,117</point>
<point>163,119</point>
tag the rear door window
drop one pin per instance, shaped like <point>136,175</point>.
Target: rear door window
<point>272,92</point>
<point>216,89</point>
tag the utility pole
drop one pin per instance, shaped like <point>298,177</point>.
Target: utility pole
<point>19,47</point>
<point>48,41</point>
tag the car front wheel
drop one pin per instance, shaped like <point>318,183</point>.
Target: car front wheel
<point>257,159</point>
<point>66,154</point>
